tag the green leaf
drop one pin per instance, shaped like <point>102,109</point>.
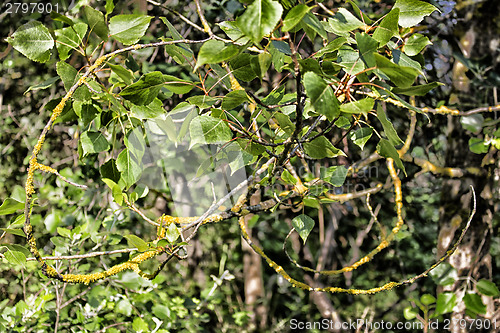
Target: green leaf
<point>388,28</point>
<point>412,12</point>
<point>215,51</point>
<point>61,18</point>
<point>129,28</point>
<point>415,44</point>
<point>363,106</point>
<point>361,136</point>
<point>311,22</point>
<point>44,85</point>
<point>15,257</point>
<point>233,31</point>
<point>445,303</point>
<point>478,146</point>
<point>444,274</point>
<point>288,178</point>
<point>69,76</point>
<point>17,232</point>
<point>399,75</point>
<point>487,288</point>
<point>137,242</point>
<point>150,111</point>
<point>123,307</point>
<point>125,74</point>
<point>259,19</point>
<point>427,299</point>
<point>203,101</point>
<point>303,224</point>
<point>322,96</point>
<point>321,147</point>
<point>410,313</point>
<point>116,191</point>
<point>420,90</point>
<point>389,130</point>
<point>350,60</point>
<point>241,67</point>
<point>52,221</point>
<point>261,63</point>
<point>96,22</point>
<point>334,175</point>
<point>10,206</point>
<point>130,169</point>
<point>333,46</point>
<point>294,16</point>
<point>474,303</point>
<point>93,142</point>
<point>367,46</point>
<point>33,40</point>
<point>172,233</point>
<point>285,123</point>
<point>70,38</point>
<point>386,149</point>
<point>144,91</point>
<point>234,99</point>
<point>139,325</point>
<point>473,123</point>
<point>343,22</point>
<point>110,171</point>
<point>207,129</point>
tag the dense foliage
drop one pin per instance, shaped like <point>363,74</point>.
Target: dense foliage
<point>166,132</point>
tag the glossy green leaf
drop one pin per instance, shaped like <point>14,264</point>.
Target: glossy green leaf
<point>474,303</point>
<point>61,18</point>
<point>172,233</point>
<point>343,22</point>
<point>420,90</point>
<point>116,190</point>
<point>321,147</point>
<point>215,51</point>
<point>349,59</point>
<point>96,22</point>
<point>412,12</point>
<point>233,31</point>
<point>261,63</point>
<point>110,171</point>
<point>367,45</point>
<point>478,146</point>
<point>294,16</point>
<point>364,106</point>
<point>444,274</point>
<point>234,99</point>
<point>311,23</point>
<point>44,85</point>
<point>144,91</point>
<point>399,75</point>
<point>15,257</point>
<point>487,288</point>
<point>321,95</point>
<point>285,123</point>
<point>33,40</point>
<point>415,44</point>
<point>128,28</point>
<point>334,175</point>
<point>386,149</point>
<point>361,136</point>
<point>259,19</point>
<point>130,168</point>
<point>303,224</point>
<point>445,303</point>
<point>207,129</point>
<point>388,28</point>
<point>125,74</point>
<point>410,313</point>
<point>389,130</point>
<point>427,299</point>
<point>70,38</point>
<point>10,206</point>
<point>288,178</point>
<point>150,111</point>
<point>137,242</point>
<point>333,46</point>
<point>93,142</point>
<point>473,123</point>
